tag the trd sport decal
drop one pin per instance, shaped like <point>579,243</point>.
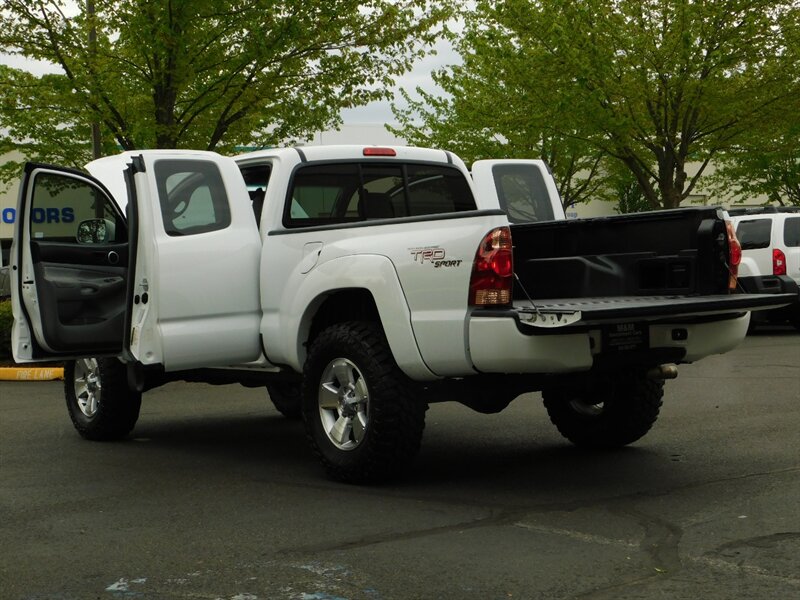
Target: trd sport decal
<point>435,256</point>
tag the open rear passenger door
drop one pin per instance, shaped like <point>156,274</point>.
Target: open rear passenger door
<point>175,284</point>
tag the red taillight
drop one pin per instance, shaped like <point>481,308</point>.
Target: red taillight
<point>734,256</point>
<point>373,151</point>
<point>778,262</point>
<point>492,270</point>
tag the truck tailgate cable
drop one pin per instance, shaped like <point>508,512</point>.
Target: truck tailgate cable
<point>524,291</point>
<point>550,319</point>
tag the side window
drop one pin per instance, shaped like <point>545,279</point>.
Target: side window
<point>192,197</point>
<point>351,192</point>
<point>522,192</point>
<point>60,204</point>
<point>754,234</point>
<point>791,232</point>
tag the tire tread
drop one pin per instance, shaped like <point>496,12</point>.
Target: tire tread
<point>119,406</point>
<point>626,417</point>
<point>397,415</point>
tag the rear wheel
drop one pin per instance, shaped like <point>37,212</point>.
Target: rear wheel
<point>361,412</point>
<point>99,401</point>
<point>615,414</point>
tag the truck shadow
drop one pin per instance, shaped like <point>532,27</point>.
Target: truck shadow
<point>451,462</point>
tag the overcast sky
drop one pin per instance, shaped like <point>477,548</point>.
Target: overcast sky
<point>419,76</point>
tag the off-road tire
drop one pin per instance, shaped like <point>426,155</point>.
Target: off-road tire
<point>619,413</point>
<point>286,396</point>
<point>100,403</point>
<point>394,411</point>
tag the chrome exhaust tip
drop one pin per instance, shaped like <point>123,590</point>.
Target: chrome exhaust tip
<point>668,371</point>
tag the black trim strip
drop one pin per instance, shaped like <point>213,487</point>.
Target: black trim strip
<point>133,247</point>
<point>138,164</point>
<point>391,221</point>
<point>302,154</point>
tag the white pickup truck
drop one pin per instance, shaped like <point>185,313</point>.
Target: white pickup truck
<point>359,284</point>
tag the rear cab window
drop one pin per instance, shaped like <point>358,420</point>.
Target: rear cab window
<point>352,192</point>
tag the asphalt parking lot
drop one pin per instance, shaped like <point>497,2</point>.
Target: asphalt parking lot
<point>217,496</point>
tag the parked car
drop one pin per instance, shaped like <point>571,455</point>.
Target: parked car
<point>770,239</point>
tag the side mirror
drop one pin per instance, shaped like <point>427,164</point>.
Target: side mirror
<point>95,231</point>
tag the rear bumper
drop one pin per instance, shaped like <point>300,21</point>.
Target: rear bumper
<point>769,284</point>
<point>772,285</point>
<point>498,344</point>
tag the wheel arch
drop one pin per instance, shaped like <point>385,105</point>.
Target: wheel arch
<point>373,294</point>
<point>348,304</point>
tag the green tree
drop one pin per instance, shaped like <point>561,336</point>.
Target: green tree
<point>626,191</point>
<point>654,84</point>
<point>766,160</point>
<point>765,168</point>
<point>207,74</point>
<point>490,108</point>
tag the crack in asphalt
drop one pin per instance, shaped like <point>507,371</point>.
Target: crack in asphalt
<point>761,542</point>
<point>741,569</point>
<point>660,541</point>
<point>577,535</point>
<point>660,535</point>
<point>497,519</point>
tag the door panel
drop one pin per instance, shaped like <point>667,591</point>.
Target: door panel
<point>82,306</point>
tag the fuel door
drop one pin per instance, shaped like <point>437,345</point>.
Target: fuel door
<point>311,252</point>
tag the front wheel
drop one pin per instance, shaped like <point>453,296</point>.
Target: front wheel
<point>361,412</point>
<point>616,412</point>
<point>99,401</point>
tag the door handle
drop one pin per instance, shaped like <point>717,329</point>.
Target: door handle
<point>110,257</point>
